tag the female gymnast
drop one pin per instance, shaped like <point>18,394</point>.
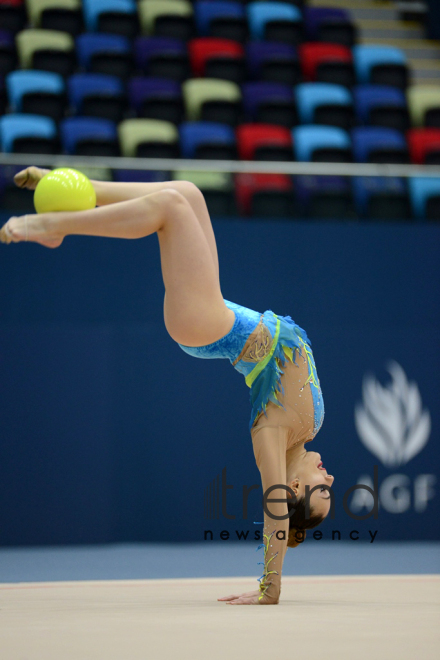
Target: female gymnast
<point>271,351</point>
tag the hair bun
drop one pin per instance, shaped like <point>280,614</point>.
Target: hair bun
<point>296,537</point>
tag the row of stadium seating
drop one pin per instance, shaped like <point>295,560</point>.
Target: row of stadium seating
<point>271,21</point>
<point>281,196</point>
<point>204,56</point>
<point>103,95</point>
<point>155,138</point>
<point>220,80</point>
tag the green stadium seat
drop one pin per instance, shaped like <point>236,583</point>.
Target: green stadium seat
<point>46,50</point>
<point>210,99</point>
<point>424,105</point>
<point>62,15</point>
<point>148,138</point>
<point>173,18</point>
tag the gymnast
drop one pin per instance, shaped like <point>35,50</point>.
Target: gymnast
<point>271,351</point>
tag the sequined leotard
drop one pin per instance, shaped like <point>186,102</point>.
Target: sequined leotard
<point>257,346</point>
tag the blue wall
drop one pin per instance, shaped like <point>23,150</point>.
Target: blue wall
<point>109,432</point>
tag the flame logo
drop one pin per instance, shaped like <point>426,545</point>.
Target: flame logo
<point>391,422</point>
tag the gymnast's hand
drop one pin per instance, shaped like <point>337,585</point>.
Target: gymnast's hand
<point>29,177</point>
<point>249,598</point>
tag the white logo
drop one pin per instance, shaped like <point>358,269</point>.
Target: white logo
<point>391,422</point>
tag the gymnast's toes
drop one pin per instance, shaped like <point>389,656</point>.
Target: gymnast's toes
<point>7,232</point>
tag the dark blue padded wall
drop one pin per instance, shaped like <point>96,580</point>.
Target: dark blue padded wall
<point>109,432</point>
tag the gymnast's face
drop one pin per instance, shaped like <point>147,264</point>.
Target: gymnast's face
<point>309,470</point>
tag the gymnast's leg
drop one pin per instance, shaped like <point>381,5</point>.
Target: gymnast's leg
<point>194,310</point>
<point>110,192</point>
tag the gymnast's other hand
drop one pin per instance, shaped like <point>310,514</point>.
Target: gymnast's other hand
<point>29,177</point>
<point>249,598</point>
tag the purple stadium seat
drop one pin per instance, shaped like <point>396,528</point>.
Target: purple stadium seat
<point>325,197</point>
<point>141,176</point>
<point>273,61</point>
<point>329,24</point>
<point>8,55</point>
<point>156,98</point>
<point>2,96</point>
<point>269,103</point>
<point>162,57</point>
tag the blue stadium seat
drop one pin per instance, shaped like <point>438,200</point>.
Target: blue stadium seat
<point>104,53</point>
<point>207,140</point>
<point>324,103</point>
<point>89,136</point>
<point>275,21</point>
<point>113,16</point>
<point>96,95</point>
<point>24,133</point>
<point>36,92</point>
<point>325,144</point>
<point>382,198</point>
<point>379,145</point>
<point>425,197</point>
<point>380,105</point>
<point>221,18</point>
<point>380,65</point>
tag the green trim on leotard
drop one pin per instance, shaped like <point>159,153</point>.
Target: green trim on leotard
<point>260,366</point>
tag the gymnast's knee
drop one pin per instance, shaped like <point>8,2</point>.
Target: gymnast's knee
<point>189,190</point>
<point>166,203</point>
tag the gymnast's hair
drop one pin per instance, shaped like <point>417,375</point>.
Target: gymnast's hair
<point>298,523</point>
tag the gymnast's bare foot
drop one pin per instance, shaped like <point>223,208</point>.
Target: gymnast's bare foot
<point>32,228</point>
<point>29,177</point>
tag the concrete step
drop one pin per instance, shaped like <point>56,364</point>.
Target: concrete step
<point>395,30</point>
<point>414,48</point>
<point>425,78</point>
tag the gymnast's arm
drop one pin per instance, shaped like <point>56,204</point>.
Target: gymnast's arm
<point>270,446</point>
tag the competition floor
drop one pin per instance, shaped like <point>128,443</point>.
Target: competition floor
<point>52,608</point>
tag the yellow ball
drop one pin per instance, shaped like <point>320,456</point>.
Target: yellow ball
<point>64,189</point>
